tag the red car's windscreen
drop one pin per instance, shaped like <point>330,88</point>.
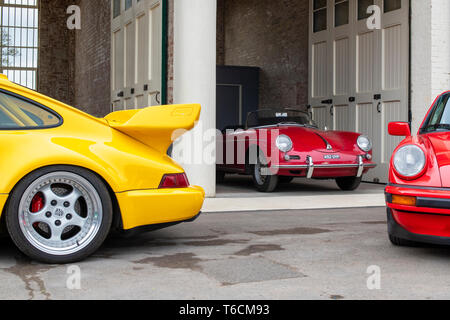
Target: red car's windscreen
<point>439,118</point>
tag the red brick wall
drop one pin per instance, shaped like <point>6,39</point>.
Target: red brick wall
<point>56,51</point>
<point>92,79</point>
<point>220,32</point>
<point>74,65</point>
<point>272,35</point>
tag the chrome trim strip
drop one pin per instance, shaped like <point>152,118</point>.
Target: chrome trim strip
<point>324,166</point>
<point>416,187</point>
<point>360,167</point>
<point>329,146</point>
<point>310,166</point>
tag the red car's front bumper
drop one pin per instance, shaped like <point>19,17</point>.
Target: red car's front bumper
<point>427,221</point>
<point>348,167</point>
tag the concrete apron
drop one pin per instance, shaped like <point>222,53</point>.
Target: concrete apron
<point>293,202</point>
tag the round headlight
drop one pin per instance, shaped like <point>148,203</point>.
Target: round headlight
<point>364,143</point>
<point>284,143</point>
<point>409,161</point>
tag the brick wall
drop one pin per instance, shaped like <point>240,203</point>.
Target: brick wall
<point>220,32</point>
<point>56,51</point>
<point>92,80</point>
<point>74,65</point>
<point>272,35</point>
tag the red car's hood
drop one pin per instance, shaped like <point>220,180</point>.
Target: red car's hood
<point>441,145</point>
<point>314,139</point>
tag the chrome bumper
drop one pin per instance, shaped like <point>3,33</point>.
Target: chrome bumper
<point>310,166</point>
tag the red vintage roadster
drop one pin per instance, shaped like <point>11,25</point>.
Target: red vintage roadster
<point>279,145</point>
<point>418,195</point>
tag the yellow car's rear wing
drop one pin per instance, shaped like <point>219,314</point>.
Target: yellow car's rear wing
<point>157,127</point>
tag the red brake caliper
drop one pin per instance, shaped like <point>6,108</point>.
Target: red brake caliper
<point>36,205</point>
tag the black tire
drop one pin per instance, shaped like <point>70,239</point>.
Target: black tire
<point>220,177</point>
<point>24,245</point>
<point>348,183</point>
<point>286,179</point>
<point>402,242</point>
<point>266,183</point>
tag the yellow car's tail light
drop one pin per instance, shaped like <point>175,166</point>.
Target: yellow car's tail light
<point>170,181</point>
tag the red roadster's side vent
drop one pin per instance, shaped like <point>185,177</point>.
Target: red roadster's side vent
<point>171,181</point>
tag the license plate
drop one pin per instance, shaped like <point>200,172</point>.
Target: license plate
<point>332,157</point>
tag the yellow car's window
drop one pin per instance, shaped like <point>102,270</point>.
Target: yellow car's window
<point>18,113</point>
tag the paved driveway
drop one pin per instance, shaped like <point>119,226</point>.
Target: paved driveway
<point>310,254</point>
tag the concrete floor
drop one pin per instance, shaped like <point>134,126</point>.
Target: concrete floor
<point>296,254</point>
<point>237,193</point>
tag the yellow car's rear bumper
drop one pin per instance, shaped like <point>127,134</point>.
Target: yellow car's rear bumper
<point>149,207</point>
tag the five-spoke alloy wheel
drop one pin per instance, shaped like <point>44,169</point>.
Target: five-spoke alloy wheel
<point>59,214</point>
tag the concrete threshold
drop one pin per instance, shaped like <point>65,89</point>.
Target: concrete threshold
<point>237,203</point>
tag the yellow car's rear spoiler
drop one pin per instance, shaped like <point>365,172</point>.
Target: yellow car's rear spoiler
<point>157,127</point>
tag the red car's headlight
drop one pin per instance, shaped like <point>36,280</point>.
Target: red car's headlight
<point>364,143</point>
<point>410,162</point>
<point>284,143</point>
<point>170,181</point>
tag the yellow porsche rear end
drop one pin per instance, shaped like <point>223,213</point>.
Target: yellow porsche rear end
<point>68,178</point>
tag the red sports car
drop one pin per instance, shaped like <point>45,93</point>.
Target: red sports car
<point>418,195</point>
<point>280,145</point>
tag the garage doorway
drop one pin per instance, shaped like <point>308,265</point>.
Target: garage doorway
<point>237,95</point>
<point>358,77</point>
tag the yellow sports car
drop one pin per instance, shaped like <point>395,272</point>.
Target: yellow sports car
<point>68,178</point>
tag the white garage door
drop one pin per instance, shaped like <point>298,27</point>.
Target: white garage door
<point>359,75</point>
<point>136,53</point>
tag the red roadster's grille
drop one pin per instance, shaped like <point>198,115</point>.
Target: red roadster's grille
<point>170,181</point>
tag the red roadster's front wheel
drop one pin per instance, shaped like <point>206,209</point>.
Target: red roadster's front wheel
<point>348,183</point>
<point>263,179</point>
